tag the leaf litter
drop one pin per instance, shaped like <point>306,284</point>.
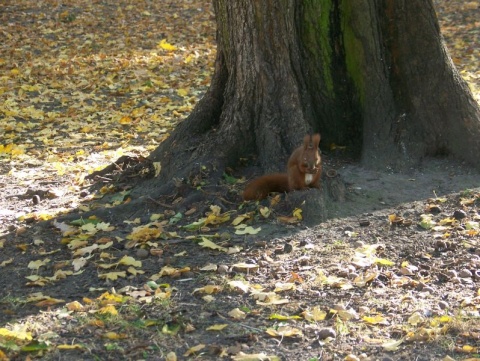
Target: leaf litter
<point>87,83</point>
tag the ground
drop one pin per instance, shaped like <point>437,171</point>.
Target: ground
<point>393,274</point>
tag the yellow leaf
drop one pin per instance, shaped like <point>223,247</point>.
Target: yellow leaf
<point>297,213</point>
<point>114,336</point>
<point>138,112</point>
<point>209,289</point>
<point>209,244</point>
<point>110,309</point>
<point>447,221</point>
<point>156,216</point>
<point>439,320</point>
<point>74,306</point>
<point>237,314</point>
<point>208,298</point>
<point>87,129</point>
<point>166,46</point>
<point>374,320</point>
<point>171,356</point>
<point>265,211</point>
<point>85,250</point>
<point>426,221</point>
<point>69,347</point>
<point>334,146</point>
<point>392,218</point>
<point>279,317</point>
<point>130,261</point>
<point>194,349</point>
<point>255,357</point>
<point>183,92</point>
<point>383,262</point>
<point>134,271</point>
<point>217,327</point>
<point>19,332</point>
<point>59,167</point>
<point>145,233</point>
<point>96,323</point>
<point>243,229</point>
<point>239,219</point>
<point>216,218</point>
<point>17,151</point>
<point>48,302</point>
<point>314,315</point>
<point>284,331</point>
<point>269,298</point>
<point>35,265</point>
<point>112,275</point>
<point>103,226</point>
<point>363,279</point>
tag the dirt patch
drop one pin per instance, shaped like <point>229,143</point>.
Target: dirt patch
<point>328,270</point>
<point>371,190</point>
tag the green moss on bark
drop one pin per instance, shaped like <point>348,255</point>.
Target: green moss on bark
<point>353,48</point>
<point>316,37</point>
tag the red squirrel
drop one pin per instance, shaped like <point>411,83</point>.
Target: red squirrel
<point>304,168</point>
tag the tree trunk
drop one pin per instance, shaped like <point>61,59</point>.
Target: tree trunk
<point>371,75</point>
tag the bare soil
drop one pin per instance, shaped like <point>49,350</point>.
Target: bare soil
<point>440,188</point>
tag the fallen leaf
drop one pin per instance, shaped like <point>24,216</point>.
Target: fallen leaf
<point>244,229</point>
<point>284,331</point>
<point>217,327</point>
<point>70,347</point>
<point>35,265</point>
<point>18,332</point>
<point>279,317</point>
<point>209,289</point>
<point>280,286</point>
<point>112,275</point>
<point>193,350</point>
<point>392,345</point>
<point>74,306</point>
<point>255,357</point>
<point>209,244</point>
<point>375,320</point>
<point>237,314</point>
<point>163,44</point>
<point>316,314</point>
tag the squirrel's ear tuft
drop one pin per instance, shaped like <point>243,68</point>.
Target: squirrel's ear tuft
<point>307,142</point>
<point>311,141</point>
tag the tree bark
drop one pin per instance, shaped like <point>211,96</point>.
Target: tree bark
<point>374,76</point>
